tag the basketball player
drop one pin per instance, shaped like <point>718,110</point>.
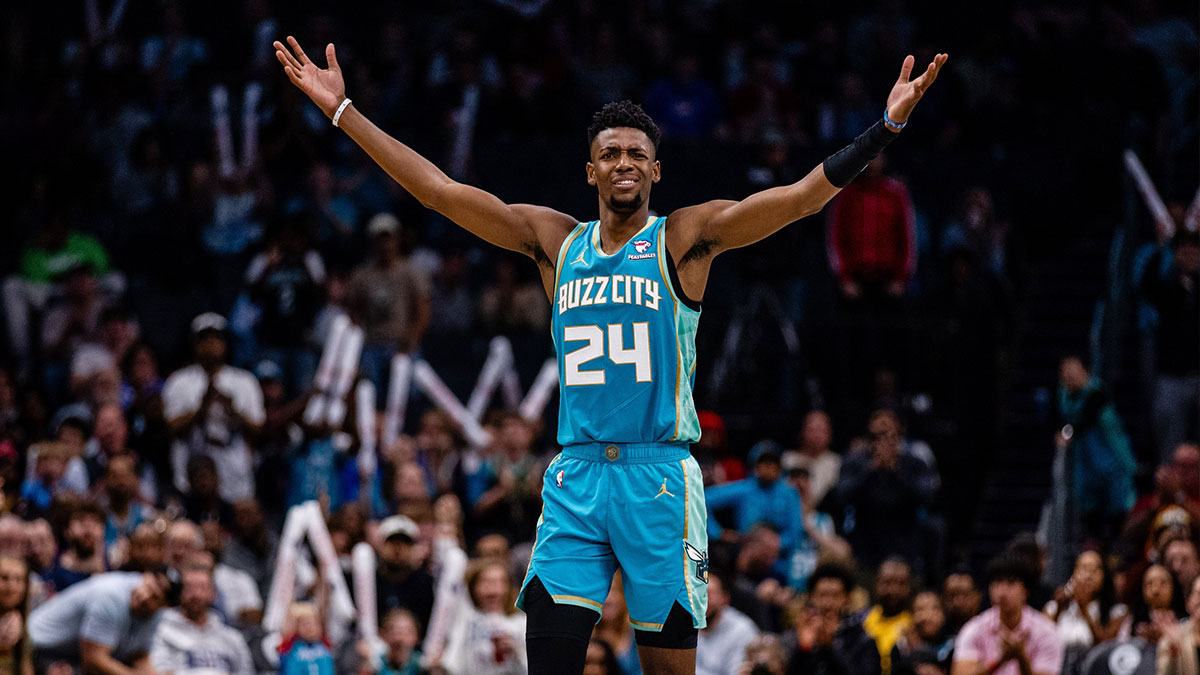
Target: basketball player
<point>625,293</point>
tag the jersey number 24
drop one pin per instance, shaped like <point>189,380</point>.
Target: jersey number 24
<point>638,356</point>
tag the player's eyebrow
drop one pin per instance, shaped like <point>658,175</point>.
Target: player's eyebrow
<point>617,148</point>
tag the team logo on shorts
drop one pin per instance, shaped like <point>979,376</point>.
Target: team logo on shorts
<point>641,246</point>
<point>700,558</point>
<point>558,478</point>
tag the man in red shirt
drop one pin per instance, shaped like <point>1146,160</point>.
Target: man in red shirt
<point>872,238</point>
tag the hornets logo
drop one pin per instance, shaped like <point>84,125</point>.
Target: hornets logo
<point>701,560</point>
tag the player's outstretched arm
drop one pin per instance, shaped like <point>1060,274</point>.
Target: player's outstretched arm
<point>720,225</point>
<point>517,227</point>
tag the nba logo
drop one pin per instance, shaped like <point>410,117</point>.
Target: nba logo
<point>641,245</point>
<point>558,478</point>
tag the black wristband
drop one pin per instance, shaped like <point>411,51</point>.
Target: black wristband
<point>844,165</point>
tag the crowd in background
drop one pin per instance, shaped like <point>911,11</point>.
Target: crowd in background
<point>186,229</point>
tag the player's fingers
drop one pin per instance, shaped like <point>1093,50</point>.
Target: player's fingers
<point>304,60</point>
<point>285,55</point>
<point>291,73</point>
<point>331,57</point>
<point>906,68</point>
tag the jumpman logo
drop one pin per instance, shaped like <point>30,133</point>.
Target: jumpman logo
<point>580,258</point>
<point>663,490</point>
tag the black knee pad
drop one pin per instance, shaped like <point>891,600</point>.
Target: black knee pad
<point>677,632</point>
<point>548,619</point>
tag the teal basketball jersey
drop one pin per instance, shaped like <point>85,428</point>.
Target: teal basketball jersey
<point>626,341</point>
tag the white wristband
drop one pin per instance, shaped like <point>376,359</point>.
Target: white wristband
<point>341,108</point>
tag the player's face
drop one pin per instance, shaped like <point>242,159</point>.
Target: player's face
<point>623,168</point>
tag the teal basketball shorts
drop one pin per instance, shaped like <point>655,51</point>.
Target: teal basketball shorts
<point>634,507</point>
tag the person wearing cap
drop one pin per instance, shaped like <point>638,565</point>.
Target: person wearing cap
<point>764,497</point>
<point>213,409</point>
<point>400,580</point>
<point>389,297</point>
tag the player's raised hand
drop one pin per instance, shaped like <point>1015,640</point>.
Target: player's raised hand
<point>906,93</point>
<point>324,86</point>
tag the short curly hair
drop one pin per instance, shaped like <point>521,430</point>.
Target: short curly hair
<point>623,114</point>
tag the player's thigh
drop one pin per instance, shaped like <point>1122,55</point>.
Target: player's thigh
<point>658,532</point>
<point>571,553</point>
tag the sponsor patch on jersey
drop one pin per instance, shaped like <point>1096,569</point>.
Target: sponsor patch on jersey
<point>641,246</point>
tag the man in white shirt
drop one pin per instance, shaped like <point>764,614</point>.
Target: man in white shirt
<point>721,646</point>
<point>212,409</point>
<point>193,638</point>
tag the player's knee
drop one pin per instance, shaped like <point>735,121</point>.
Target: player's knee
<point>545,618</point>
<point>678,631</point>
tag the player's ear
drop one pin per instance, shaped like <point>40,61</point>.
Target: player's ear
<point>591,173</point>
<point>656,171</point>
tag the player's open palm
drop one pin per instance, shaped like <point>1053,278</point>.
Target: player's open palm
<point>906,92</point>
<point>324,86</point>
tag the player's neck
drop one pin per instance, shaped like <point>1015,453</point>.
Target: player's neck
<point>616,229</point>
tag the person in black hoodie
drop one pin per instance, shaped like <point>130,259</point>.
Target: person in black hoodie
<point>826,643</point>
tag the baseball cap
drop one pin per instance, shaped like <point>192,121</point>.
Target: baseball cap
<point>208,321</point>
<point>383,223</point>
<point>764,449</point>
<point>397,526</point>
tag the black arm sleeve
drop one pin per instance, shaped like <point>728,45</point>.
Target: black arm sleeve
<point>844,165</point>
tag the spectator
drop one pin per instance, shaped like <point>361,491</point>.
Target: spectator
<point>146,549</point>
<point>104,624</point>
<point>203,502</point>
<point>286,283</point>
<point>304,649</point>
<point>49,464</point>
<point>825,642</point>
<point>194,636</point>
<point>511,305</point>
<point>961,598</point>
<point>763,498</point>
<point>872,240</point>
<point>124,509</point>
<point>1180,557</point>
<point>891,615</point>
<point>1086,608</point>
<point>1175,294</point>
<point>83,552</point>
<point>401,635</point>
<point>56,250</point>
<point>978,231</point>
<point>389,298</point>
<point>927,646</point>
<point>488,637</point>
<point>1159,598</point>
<point>820,538</point>
<point>885,494</point>
<point>816,455</point>
<point>1176,484</point>
<point>182,544</point>
<point>214,409</point>
<point>252,546</point>
<point>1103,466</point>
<point>685,105</point>
<point>238,598</point>
<point>1179,650</point>
<point>16,650</point>
<point>1011,638</point>
<point>727,634</point>
<point>400,580</point>
<point>117,334</point>
<point>764,654</point>
<point>759,590</point>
